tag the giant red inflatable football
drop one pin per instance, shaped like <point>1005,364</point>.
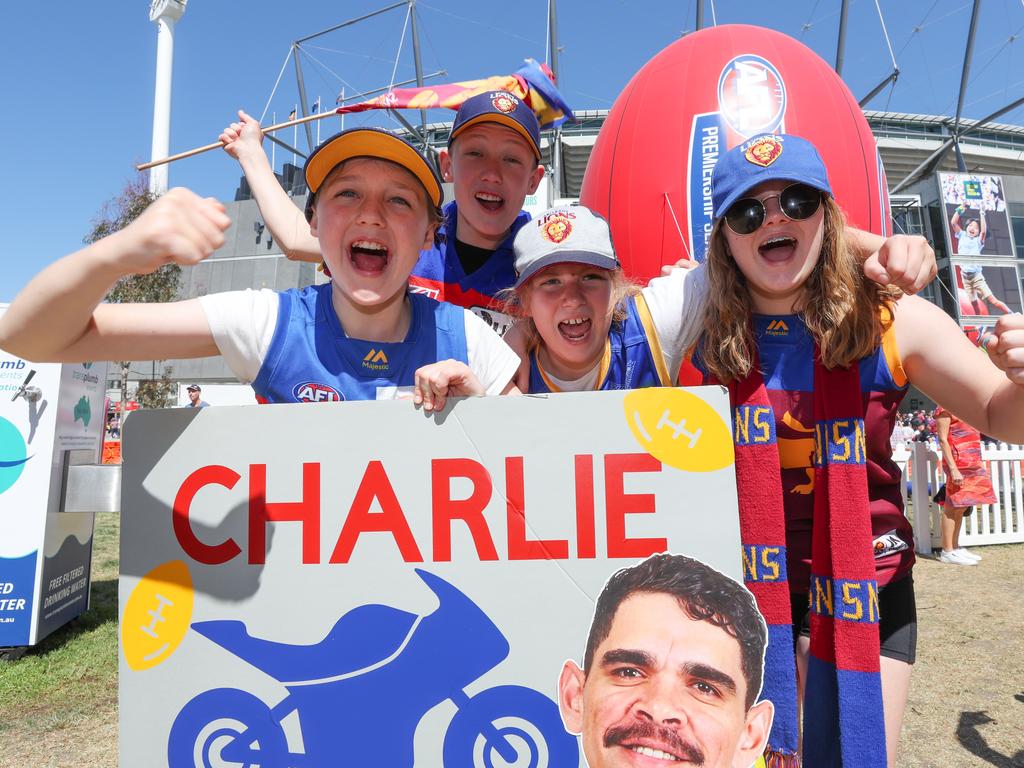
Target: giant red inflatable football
<point>650,171</point>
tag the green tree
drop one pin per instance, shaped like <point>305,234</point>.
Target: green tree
<point>157,287</point>
<point>157,393</point>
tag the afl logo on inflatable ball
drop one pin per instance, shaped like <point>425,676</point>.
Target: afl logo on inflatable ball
<point>751,95</point>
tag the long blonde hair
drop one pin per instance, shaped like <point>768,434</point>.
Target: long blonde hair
<point>513,304</point>
<point>841,308</point>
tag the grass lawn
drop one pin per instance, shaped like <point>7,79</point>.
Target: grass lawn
<point>58,703</point>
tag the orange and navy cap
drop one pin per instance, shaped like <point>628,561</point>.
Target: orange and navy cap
<point>499,107</point>
<point>374,143</point>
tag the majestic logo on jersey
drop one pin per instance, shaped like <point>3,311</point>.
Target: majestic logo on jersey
<point>777,328</point>
<point>504,102</point>
<point>751,95</point>
<point>376,360</point>
<point>764,151</point>
<point>556,228</point>
<point>311,392</point>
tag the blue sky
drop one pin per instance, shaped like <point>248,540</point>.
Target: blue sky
<point>78,90</point>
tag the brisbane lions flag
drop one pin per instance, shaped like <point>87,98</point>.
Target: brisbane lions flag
<point>532,82</point>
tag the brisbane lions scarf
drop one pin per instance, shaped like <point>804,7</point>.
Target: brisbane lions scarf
<point>843,719</point>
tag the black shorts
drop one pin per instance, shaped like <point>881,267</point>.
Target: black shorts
<point>897,626</point>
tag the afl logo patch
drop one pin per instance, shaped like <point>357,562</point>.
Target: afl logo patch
<point>311,392</point>
<point>764,151</point>
<point>556,228</point>
<point>503,102</point>
<point>751,95</point>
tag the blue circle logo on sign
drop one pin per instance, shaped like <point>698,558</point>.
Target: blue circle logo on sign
<point>12,454</point>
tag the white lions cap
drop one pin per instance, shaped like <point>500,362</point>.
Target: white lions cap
<point>574,234</point>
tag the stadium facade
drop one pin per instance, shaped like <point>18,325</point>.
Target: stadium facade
<point>995,154</point>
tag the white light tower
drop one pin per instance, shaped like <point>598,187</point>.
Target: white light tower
<point>165,13</point>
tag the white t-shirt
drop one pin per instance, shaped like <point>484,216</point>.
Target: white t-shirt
<point>243,324</point>
<point>677,303</point>
<point>968,245</point>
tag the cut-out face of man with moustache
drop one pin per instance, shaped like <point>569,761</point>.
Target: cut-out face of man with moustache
<point>673,665</point>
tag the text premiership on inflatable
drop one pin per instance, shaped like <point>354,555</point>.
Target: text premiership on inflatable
<point>366,584</point>
<point>45,412</point>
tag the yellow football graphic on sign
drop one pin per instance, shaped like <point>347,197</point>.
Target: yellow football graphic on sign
<point>679,429</point>
<point>157,615</point>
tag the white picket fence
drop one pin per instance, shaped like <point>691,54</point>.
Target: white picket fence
<point>998,523</point>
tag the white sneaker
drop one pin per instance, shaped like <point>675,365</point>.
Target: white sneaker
<point>968,553</point>
<point>953,557</point>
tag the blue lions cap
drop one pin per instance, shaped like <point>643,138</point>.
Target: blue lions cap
<point>499,107</point>
<point>769,157</point>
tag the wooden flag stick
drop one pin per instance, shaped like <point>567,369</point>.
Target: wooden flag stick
<point>218,145</point>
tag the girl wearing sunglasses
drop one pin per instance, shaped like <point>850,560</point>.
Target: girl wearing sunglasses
<point>817,359</point>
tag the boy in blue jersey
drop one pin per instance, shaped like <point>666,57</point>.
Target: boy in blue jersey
<point>374,205</point>
<point>493,161</point>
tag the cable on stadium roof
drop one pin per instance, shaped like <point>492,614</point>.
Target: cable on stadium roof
<point>276,83</point>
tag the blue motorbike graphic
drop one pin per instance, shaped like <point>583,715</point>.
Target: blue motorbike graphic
<point>361,692</point>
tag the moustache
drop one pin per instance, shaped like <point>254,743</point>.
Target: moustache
<point>642,729</point>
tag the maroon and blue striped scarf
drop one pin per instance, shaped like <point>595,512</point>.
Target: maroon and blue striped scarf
<point>843,719</point>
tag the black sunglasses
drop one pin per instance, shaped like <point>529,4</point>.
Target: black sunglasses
<point>797,201</point>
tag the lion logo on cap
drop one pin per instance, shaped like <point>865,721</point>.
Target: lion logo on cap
<point>764,151</point>
<point>503,102</point>
<point>556,228</point>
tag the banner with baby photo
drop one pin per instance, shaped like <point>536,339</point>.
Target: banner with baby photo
<point>977,218</point>
<point>367,584</point>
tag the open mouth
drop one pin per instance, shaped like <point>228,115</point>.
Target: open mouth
<point>369,256</point>
<point>575,330</point>
<point>777,248</point>
<point>657,754</point>
<point>489,201</point>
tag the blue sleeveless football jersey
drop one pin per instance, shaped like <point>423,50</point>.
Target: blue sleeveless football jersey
<point>632,355</point>
<point>310,359</point>
<point>439,274</point>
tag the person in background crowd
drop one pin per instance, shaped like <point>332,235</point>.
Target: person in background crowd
<point>967,483</point>
<point>195,397</point>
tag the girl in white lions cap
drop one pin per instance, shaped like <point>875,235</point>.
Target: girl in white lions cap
<point>583,323</point>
